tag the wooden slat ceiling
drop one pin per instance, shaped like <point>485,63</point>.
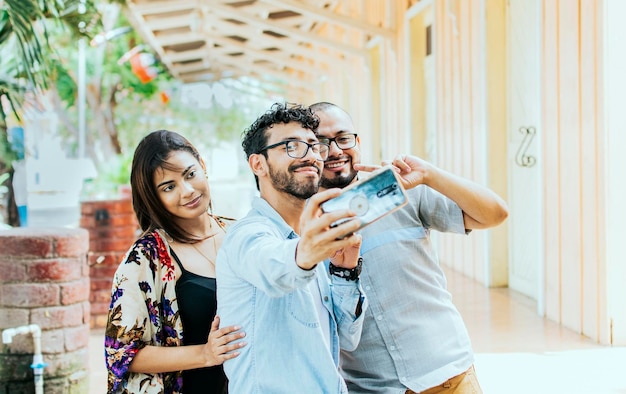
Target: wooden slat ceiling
<point>277,42</point>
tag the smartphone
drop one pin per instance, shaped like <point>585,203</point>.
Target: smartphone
<point>378,195</point>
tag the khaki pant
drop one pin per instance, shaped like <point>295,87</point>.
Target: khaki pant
<point>465,383</point>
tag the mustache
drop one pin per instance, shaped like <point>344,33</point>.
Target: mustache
<point>338,157</point>
<point>310,164</point>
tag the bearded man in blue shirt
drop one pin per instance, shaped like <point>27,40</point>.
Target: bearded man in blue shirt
<point>414,339</point>
<point>271,275</point>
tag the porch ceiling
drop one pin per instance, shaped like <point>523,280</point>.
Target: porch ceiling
<point>293,43</point>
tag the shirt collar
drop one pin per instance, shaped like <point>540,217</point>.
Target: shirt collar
<point>263,208</point>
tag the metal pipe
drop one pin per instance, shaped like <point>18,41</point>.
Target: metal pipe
<point>38,364</point>
<point>82,94</point>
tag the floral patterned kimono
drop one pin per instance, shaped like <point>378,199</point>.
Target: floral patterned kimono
<point>143,311</point>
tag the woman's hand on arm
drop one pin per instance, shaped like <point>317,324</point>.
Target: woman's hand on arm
<point>222,345</point>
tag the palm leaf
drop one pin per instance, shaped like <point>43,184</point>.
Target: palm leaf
<point>5,26</point>
<point>21,14</point>
<point>80,17</point>
<point>25,21</point>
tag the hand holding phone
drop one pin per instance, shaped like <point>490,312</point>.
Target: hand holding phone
<point>378,195</point>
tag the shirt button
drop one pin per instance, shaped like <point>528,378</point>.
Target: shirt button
<point>325,298</point>
<point>367,287</point>
<point>392,348</point>
<point>379,318</point>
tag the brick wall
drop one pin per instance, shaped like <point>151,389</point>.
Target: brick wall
<point>112,228</point>
<point>44,280</point>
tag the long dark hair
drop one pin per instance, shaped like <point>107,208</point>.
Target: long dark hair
<point>151,154</point>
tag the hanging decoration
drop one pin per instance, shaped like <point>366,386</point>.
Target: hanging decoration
<point>142,64</point>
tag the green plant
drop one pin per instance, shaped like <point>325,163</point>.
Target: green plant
<point>25,52</point>
<point>3,191</point>
<point>112,175</point>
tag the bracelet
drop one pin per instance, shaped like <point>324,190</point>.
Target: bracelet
<point>347,273</point>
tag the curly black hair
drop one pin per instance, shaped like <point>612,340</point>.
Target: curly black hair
<point>254,137</point>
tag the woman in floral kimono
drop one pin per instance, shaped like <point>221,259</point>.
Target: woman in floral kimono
<point>162,334</point>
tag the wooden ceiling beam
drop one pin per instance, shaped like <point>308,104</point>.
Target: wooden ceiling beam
<point>262,71</point>
<point>199,53</point>
<point>139,24</point>
<point>263,83</point>
<point>165,7</point>
<point>239,39</point>
<point>178,38</point>
<point>233,13</point>
<point>274,57</point>
<point>172,22</point>
<point>254,38</point>
<point>195,66</point>
<point>332,17</point>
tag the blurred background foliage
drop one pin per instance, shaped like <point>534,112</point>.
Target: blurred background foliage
<point>39,59</point>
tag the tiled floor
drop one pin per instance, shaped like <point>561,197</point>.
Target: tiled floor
<point>98,373</point>
<point>516,351</point>
<point>519,352</point>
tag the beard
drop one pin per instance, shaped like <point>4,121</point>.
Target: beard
<point>286,182</point>
<point>339,180</point>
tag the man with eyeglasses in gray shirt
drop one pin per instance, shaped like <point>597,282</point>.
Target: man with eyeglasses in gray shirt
<point>414,339</point>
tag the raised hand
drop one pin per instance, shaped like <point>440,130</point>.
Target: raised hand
<point>318,240</point>
<point>412,170</point>
<point>482,207</point>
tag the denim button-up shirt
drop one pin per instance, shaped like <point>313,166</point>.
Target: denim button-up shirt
<point>261,288</point>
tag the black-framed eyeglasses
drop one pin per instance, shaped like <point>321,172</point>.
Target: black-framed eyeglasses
<point>343,141</point>
<point>298,149</point>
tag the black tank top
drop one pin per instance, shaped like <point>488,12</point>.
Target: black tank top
<point>197,304</point>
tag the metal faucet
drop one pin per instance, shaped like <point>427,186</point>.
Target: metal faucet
<point>38,364</point>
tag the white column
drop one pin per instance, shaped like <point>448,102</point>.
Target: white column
<point>615,147</point>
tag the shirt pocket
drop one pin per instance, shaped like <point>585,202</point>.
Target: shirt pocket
<point>302,309</point>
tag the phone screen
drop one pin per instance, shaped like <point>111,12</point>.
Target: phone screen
<point>372,198</point>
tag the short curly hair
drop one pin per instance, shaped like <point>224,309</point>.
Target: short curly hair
<point>255,138</point>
